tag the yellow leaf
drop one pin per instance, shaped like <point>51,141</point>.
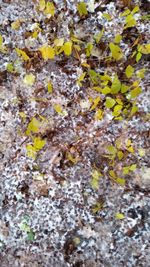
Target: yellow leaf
<point>22,54</point>
<point>33,126</point>
<point>50,9</point>
<point>112,173</point>
<point>49,87</point>
<point>82,9</point>
<point>59,42</point>
<point>120,155</point>
<point>47,52</point>
<point>98,115</point>
<point>29,79</point>
<point>144,49</point>
<point>115,51</point>
<point>120,181</point>
<point>125,13</point>
<point>71,158</point>
<point>95,179</point>
<point>129,71</point>
<point>96,101</point>
<point>1,40</point>
<point>119,216</point>
<point>15,25</point>
<point>38,143</point>
<point>141,73</point>
<point>141,152</point>
<point>22,115</point>
<point>58,108</point>
<point>135,10</point>
<point>35,34</point>
<point>67,47</point>
<point>111,150</point>
<point>84,64</point>
<point>130,149</point>
<point>42,5</point>
<point>31,151</point>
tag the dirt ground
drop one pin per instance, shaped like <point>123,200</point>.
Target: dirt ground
<point>74,134</point>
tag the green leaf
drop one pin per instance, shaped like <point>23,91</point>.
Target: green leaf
<point>130,21</point>
<point>30,236</point>
<point>116,85</point>
<point>89,49</point>
<point>82,9</point>
<point>107,16</point>
<point>98,36</point>
<point>24,227</point>
<point>95,179</point>
<point>134,110</point>
<point>129,71</point>
<point>124,88</point>
<point>94,76</point>
<point>135,92</point>
<point>117,39</point>
<point>10,67</point>
<point>141,73</point>
<point>106,90</point>
<point>110,102</point>
<point>138,56</point>
<point>125,13</point>
<point>81,79</point>
<point>111,150</point>
<point>115,51</point>
<point>117,110</point>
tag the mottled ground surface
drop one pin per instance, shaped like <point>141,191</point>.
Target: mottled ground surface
<point>65,207</point>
